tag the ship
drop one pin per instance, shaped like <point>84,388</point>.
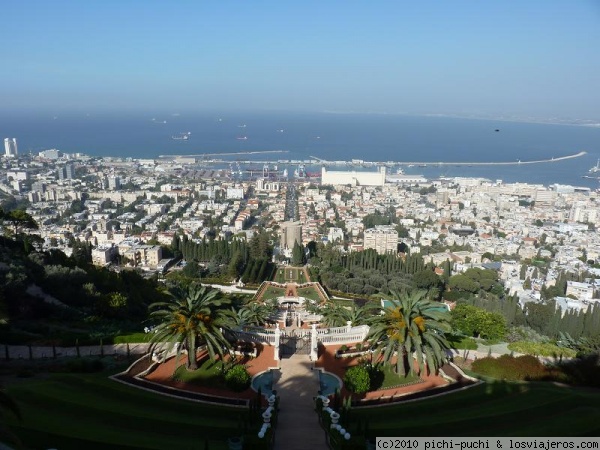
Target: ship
<point>182,136</point>
<point>243,138</point>
<point>595,168</point>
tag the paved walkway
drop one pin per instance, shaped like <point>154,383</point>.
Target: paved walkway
<point>298,425</point>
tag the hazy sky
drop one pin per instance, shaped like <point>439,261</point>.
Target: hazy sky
<point>522,57</point>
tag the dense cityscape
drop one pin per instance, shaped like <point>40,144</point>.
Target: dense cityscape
<point>516,265</point>
<point>299,225</point>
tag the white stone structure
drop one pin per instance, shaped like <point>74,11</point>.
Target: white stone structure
<point>354,178</point>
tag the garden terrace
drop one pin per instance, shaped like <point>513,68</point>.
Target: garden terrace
<point>206,380</point>
<point>488,409</point>
<point>75,411</point>
<point>286,274</point>
<point>401,387</point>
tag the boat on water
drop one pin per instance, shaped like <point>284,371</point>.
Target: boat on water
<point>595,168</point>
<point>242,138</point>
<point>182,136</point>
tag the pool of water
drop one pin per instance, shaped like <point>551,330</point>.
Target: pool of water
<point>328,383</point>
<point>264,382</point>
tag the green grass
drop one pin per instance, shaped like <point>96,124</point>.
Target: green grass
<point>310,293</point>
<point>462,342</point>
<point>391,379</point>
<point>273,292</point>
<point>71,411</point>
<point>289,275</point>
<point>541,349</point>
<point>347,302</point>
<point>209,373</point>
<point>491,409</point>
<point>132,338</point>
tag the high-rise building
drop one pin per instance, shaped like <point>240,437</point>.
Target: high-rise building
<point>10,147</point>
<point>382,238</point>
<point>65,172</point>
<point>114,183</point>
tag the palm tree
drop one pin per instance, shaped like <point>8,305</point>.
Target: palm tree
<point>336,315</point>
<point>412,324</point>
<point>192,318</point>
<point>251,314</point>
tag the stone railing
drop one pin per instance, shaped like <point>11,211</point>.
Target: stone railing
<point>334,330</point>
<point>356,334</point>
<point>35,352</point>
<point>262,337</point>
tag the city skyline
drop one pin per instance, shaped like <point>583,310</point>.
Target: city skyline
<point>531,59</point>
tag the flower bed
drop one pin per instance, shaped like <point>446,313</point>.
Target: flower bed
<point>351,352</point>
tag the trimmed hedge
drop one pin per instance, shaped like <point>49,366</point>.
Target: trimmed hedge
<point>512,368</point>
<point>132,338</point>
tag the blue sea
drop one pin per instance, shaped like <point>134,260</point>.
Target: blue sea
<point>330,136</point>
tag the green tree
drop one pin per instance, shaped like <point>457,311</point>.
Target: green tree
<point>427,279</point>
<point>195,316</point>
<point>463,283</point>
<point>298,257</point>
<point>336,315</point>
<point>253,313</point>
<point>412,324</point>
<point>19,219</point>
<point>477,322</point>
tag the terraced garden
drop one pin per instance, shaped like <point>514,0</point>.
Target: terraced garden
<point>73,411</point>
<point>490,409</point>
<point>290,275</point>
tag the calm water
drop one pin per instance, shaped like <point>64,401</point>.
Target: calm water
<point>329,136</point>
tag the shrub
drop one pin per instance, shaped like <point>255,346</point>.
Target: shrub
<point>516,334</point>
<point>359,346</point>
<point>511,368</point>
<point>237,378</point>
<point>541,349</point>
<point>357,379</point>
<point>584,371</point>
<point>344,348</point>
<point>83,365</point>
<point>376,376</point>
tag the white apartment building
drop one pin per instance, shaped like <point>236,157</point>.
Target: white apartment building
<point>583,291</point>
<point>335,234</point>
<point>382,238</point>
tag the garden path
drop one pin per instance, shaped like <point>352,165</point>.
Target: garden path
<point>298,424</point>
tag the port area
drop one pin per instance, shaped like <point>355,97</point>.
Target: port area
<point>218,158</point>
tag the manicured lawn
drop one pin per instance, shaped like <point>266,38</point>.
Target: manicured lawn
<point>462,342</point>
<point>347,302</point>
<point>392,379</point>
<point>289,274</point>
<point>273,292</point>
<point>209,373</point>
<point>73,411</point>
<point>491,409</point>
<point>310,293</point>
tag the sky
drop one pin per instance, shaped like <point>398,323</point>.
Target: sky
<point>524,58</point>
